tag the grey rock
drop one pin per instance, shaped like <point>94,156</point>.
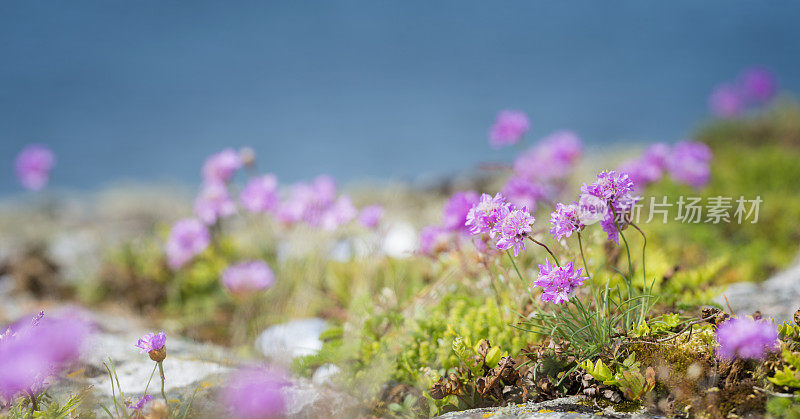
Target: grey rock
<point>777,297</point>
<point>283,342</point>
<point>567,408</point>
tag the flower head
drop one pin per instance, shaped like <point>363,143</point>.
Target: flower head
<point>746,338</point>
<point>558,283</point>
<point>214,203</point>
<point>455,211</point>
<point>221,167</point>
<point>248,277</point>
<point>32,166</point>
<point>565,221</point>
<point>255,393</point>
<point>338,214</point>
<point>187,239</point>
<point>433,239</point>
<point>370,216</point>
<point>524,192</point>
<point>690,163</point>
<point>483,216</point>
<point>758,84</point>
<point>153,344</point>
<point>260,194</point>
<point>726,101</point>
<point>513,228</point>
<point>611,186</point>
<point>32,353</point>
<point>552,158</point>
<point>508,128</point>
<point>140,402</point>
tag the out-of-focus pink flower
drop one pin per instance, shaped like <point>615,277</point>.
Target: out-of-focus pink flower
<point>214,203</point>
<point>433,239</point>
<point>746,338</point>
<point>188,238</point>
<point>255,393</point>
<point>140,402</point>
<point>758,84</point>
<point>221,167</point>
<point>726,101</point>
<point>260,194</point>
<point>32,166</point>
<point>552,158</point>
<point>35,352</point>
<point>455,211</point>
<point>509,127</point>
<point>370,216</point>
<point>338,214</point>
<point>524,192</point>
<point>690,163</point>
<point>245,278</point>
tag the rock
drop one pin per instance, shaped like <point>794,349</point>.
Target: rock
<point>283,342</point>
<point>777,297</point>
<point>306,400</point>
<point>400,241</point>
<point>323,376</point>
<point>567,408</point>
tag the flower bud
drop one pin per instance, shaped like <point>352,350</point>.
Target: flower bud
<point>158,355</point>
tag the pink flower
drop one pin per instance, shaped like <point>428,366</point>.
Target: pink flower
<point>255,393</point>
<point>485,214</point>
<point>509,128</point>
<point>690,163</point>
<point>559,284</point>
<point>221,167</point>
<point>32,166</point>
<point>565,221</point>
<point>758,84</point>
<point>726,101</point>
<point>32,353</point>
<point>187,239</point>
<point>338,214</point>
<point>746,338</point>
<point>214,203</point>
<point>150,342</point>
<point>513,229</point>
<point>524,192</point>
<point>370,216</point>
<point>552,158</point>
<point>455,211</point>
<point>433,239</point>
<point>260,194</point>
<point>248,277</point>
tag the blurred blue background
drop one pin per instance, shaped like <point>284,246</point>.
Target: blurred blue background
<point>146,90</point>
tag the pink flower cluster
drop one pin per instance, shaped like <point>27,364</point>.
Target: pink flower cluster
<point>686,162</point>
<point>607,200</point>
<point>539,171</point>
<point>32,166</point>
<point>245,278</point>
<point>255,393</point>
<point>317,204</point>
<point>500,220</point>
<point>559,283</point>
<point>509,127</point>
<point>754,87</point>
<point>433,239</point>
<point>746,338</point>
<point>33,353</point>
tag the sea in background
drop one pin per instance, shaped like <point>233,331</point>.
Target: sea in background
<point>145,90</point>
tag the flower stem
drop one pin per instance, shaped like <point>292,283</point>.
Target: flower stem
<point>522,280</point>
<point>163,394</point>
<point>150,379</point>
<point>555,259</point>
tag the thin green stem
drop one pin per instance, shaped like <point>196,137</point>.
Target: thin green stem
<point>521,279</point>
<point>150,379</point>
<point>555,259</point>
<point>163,394</point>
